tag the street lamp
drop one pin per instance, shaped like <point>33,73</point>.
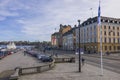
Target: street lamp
<point>79,47</point>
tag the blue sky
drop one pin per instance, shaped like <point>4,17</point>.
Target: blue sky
<point>36,20</point>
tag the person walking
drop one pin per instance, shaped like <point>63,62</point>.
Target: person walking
<point>83,61</point>
<point>56,54</point>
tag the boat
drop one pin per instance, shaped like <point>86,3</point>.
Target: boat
<point>11,45</point>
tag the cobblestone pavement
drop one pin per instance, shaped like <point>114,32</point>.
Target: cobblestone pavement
<point>17,60</point>
<point>69,71</point>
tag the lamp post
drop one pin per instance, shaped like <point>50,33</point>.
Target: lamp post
<point>79,47</point>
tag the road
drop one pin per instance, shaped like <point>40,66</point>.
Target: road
<point>112,65</point>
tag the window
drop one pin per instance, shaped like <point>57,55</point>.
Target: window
<point>113,28</point>
<point>117,28</point>
<point>105,33</point>
<point>114,47</point>
<point>114,40</point>
<point>94,39</point>
<point>118,40</point>
<point>106,20</point>
<point>105,40</point>
<point>94,27</point>
<point>109,47</point>
<point>111,21</point>
<point>113,33</point>
<point>104,27</point>
<point>109,40</point>
<point>105,47</point>
<point>116,22</point>
<point>109,33</point>
<point>117,33</point>
<point>118,47</point>
<point>109,27</point>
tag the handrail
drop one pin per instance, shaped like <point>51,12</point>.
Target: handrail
<point>39,69</point>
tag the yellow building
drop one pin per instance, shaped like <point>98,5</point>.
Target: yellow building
<point>63,29</point>
<point>90,35</point>
<point>57,37</point>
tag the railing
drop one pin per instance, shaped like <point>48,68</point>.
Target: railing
<point>37,69</point>
<point>64,60</point>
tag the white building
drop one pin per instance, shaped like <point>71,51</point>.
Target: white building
<point>69,40</point>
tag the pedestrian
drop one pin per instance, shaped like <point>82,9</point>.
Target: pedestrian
<point>56,54</point>
<point>83,61</point>
<point>107,53</point>
<point>44,50</point>
<point>24,53</point>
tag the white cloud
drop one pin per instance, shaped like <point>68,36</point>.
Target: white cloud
<point>62,12</point>
<point>41,17</point>
<point>111,8</point>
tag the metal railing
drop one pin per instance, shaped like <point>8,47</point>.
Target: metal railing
<point>37,69</point>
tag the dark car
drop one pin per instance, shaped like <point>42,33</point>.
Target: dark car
<point>46,59</point>
<point>39,56</point>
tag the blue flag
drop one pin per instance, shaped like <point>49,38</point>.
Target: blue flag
<point>99,15</point>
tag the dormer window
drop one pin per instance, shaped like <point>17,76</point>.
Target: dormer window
<point>106,20</point>
<point>102,20</point>
<point>116,22</point>
<point>111,21</point>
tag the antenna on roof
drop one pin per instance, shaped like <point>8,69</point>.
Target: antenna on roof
<point>91,9</point>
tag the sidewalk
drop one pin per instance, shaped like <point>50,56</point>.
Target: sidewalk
<point>17,60</point>
<point>69,71</point>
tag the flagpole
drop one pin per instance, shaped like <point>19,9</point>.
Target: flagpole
<point>101,50</point>
<point>99,22</point>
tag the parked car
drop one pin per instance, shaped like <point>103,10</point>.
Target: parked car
<point>39,56</point>
<point>44,58</point>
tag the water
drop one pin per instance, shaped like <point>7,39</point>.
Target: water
<point>26,46</point>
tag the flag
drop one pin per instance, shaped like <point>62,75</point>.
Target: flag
<point>99,15</point>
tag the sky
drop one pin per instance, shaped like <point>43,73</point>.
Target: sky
<point>36,20</point>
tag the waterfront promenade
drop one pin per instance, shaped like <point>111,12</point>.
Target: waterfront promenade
<point>17,60</point>
<point>62,71</point>
<point>69,71</point>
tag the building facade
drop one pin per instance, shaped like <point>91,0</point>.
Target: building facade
<point>55,39</point>
<point>90,35</point>
<point>69,40</point>
<point>63,29</point>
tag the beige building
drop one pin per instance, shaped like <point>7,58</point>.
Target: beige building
<point>57,37</point>
<point>90,35</point>
<point>63,29</point>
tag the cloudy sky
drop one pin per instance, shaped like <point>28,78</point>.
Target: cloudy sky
<point>37,19</point>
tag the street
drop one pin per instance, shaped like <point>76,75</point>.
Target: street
<point>110,64</point>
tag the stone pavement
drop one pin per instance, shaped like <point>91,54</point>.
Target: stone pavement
<point>69,71</point>
<point>17,60</point>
